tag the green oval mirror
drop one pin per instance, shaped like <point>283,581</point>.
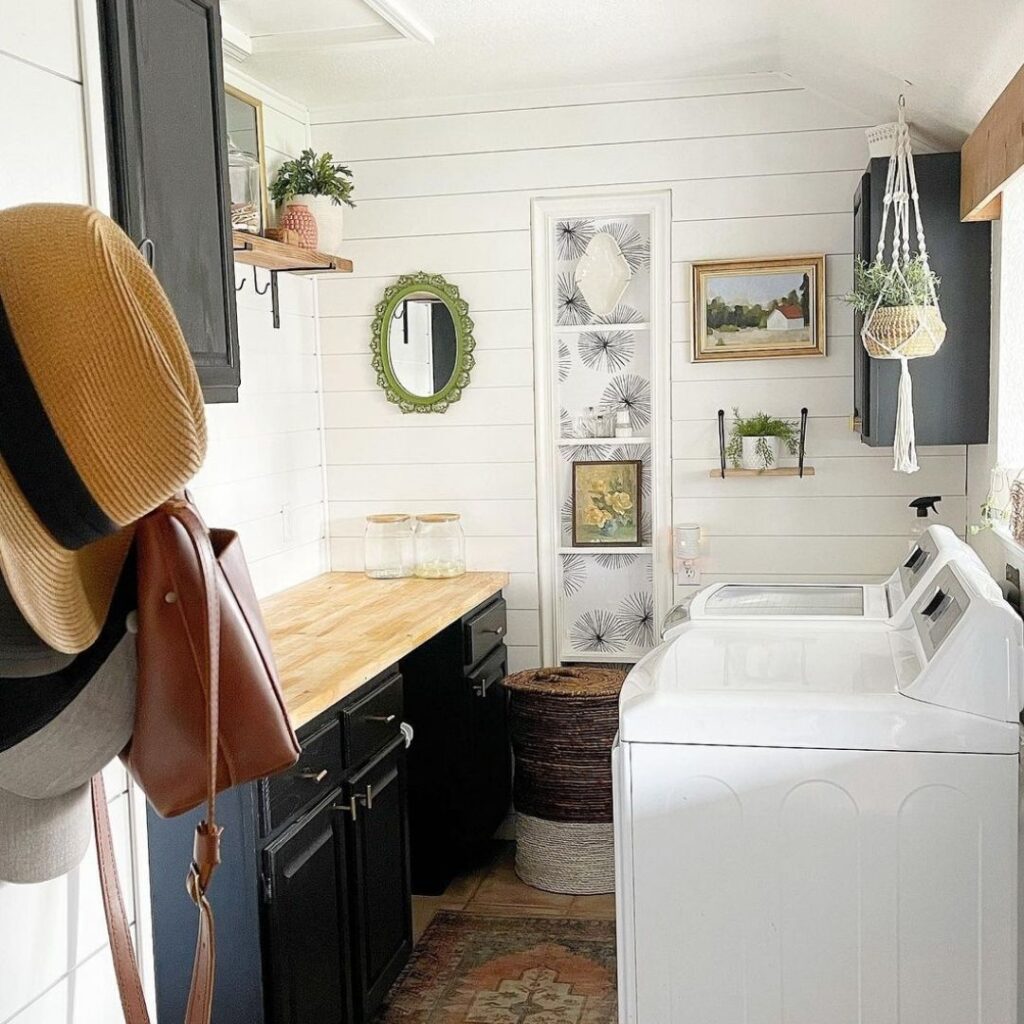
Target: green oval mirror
<point>422,343</point>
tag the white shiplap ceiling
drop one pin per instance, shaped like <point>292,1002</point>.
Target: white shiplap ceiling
<point>951,57</point>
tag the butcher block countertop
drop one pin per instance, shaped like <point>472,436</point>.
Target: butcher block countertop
<point>336,632</point>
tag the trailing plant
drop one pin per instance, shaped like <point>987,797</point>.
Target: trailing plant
<point>761,426</point>
<point>874,284</point>
<point>312,175</point>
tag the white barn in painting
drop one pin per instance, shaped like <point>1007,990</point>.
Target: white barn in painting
<point>786,318</point>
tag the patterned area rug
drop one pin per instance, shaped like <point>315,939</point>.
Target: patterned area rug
<point>469,969</point>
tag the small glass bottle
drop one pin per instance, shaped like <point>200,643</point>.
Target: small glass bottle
<point>440,546</point>
<point>389,549</point>
<point>623,423</point>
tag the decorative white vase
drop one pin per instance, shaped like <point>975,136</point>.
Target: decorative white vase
<point>329,220</point>
<point>751,459</point>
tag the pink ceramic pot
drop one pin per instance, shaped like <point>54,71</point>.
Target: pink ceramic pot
<point>299,218</point>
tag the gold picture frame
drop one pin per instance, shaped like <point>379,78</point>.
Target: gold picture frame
<point>769,308</point>
<point>231,116</point>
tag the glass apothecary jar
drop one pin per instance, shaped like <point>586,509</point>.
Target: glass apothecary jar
<point>244,186</point>
<point>389,550</point>
<point>440,546</point>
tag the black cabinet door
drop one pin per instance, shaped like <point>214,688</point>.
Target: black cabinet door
<point>484,783</point>
<point>163,83</point>
<point>306,945</point>
<point>379,876</point>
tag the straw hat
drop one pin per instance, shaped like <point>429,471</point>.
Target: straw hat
<point>101,415</point>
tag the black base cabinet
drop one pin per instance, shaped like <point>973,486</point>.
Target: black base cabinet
<point>312,899</point>
<point>460,763</point>
<point>951,388</point>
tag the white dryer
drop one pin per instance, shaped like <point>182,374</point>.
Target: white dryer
<point>818,825</point>
<point>846,602</point>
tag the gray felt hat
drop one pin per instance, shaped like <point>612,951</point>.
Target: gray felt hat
<point>56,731</point>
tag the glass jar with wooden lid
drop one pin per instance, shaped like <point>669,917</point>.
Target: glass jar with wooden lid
<point>389,550</point>
<point>440,546</point>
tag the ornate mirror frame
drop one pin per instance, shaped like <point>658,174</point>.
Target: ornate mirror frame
<point>413,284</point>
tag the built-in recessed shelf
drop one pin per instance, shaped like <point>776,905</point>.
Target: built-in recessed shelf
<point>778,471</point>
<point>580,442</point>
<point>257,251</point>
<point>581,328</point>
<point>601,549</point>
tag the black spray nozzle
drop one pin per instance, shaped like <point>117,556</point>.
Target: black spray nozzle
<point>925,505</point>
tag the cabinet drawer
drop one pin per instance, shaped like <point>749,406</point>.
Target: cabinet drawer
<point>316,771</point>
<point>484,631</point>
<point>373,722</point>
<point>489,674</point>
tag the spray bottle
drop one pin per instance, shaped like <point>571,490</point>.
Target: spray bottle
<point>920,522</point>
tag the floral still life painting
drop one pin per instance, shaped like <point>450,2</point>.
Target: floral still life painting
<point>606,503</point>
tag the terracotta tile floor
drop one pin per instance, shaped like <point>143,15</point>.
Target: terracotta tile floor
<point>495,890</point>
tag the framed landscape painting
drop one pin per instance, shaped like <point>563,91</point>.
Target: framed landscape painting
<point>759,309</point>
<point>606,503</point>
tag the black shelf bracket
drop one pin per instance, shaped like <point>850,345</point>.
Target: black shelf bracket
<point>721,440</point>
<point>803,438</point>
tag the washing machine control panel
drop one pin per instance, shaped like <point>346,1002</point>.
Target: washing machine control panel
<point>939,610</point>
<point>921,556</point>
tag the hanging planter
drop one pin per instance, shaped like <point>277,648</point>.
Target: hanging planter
<point>899,298</point>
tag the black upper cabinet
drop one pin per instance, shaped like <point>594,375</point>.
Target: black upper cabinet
<point>951,388</point>
<point>163,84</point>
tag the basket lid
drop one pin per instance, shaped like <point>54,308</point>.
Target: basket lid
<point>568,681</point>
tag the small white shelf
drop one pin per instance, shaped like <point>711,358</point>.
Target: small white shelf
<point>579,442</point>
<point>645,549</point>
<point>581,328</point>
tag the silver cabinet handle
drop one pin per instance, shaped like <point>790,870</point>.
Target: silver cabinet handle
<point>497,631</point>
<point>386,719</point>
<point>352,807</point>
<point>312,773</point>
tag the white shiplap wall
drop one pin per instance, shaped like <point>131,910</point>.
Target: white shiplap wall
<point>264,473</point>
<point>757,166</point>
<point>54,963</point>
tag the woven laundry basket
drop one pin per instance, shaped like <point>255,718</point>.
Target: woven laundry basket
<point>563,722</point>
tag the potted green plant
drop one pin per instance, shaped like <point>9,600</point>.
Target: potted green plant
<point>896,307</point>
<point>757,442</point>
<point>321,185</point>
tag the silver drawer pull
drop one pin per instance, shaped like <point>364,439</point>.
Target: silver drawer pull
<point>312,773</point>
<point>386,719</point>
<point>497,631</point>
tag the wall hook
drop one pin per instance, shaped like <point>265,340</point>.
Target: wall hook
<point>239,287</point>
<point>255,284</point>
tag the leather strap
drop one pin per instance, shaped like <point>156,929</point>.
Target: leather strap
<point>206,844</point>
<point>126,968</point>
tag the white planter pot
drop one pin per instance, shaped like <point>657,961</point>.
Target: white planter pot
<point>328,221</point>
<point>751,458</point>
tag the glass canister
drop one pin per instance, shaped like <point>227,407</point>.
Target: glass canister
<point>244,185</point>
<point>440,546</point>
<point>389,550</point>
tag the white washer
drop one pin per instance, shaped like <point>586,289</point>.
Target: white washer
<point>818,825</point>
<point>852,603</point>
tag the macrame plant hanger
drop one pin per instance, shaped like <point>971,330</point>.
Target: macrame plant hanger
<point>912,329</point>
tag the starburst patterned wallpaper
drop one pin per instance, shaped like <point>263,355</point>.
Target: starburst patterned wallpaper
<point>607,596</point>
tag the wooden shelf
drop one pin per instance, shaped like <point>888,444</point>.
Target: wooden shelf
<point>780,471</point>
<point>257,251</point>
<point>583,328</point>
